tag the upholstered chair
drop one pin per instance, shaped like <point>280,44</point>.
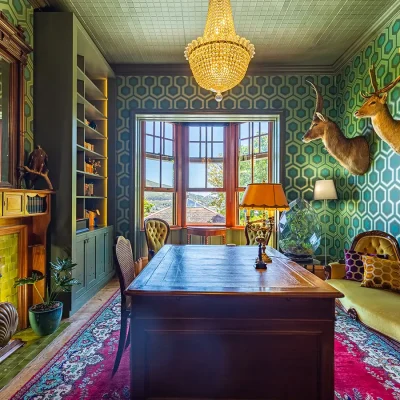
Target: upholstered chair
<point>156,231</point>
<point>125,268</point>
<point>251,235</point>
<point>371,242</point>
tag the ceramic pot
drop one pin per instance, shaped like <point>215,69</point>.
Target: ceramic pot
<point>46,322</point>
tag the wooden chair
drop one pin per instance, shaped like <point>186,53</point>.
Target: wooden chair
<point>251,235</point>
<point>126,274</point>
<point>156,231</point>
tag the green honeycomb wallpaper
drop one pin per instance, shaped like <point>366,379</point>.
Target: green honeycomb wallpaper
<point>20,12</point>
<point>304,163</point>
<point>371,201</point>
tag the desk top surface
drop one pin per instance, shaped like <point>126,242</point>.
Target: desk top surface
<point>224,270</point>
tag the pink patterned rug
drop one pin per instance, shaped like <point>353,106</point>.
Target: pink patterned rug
<point>367,367</point>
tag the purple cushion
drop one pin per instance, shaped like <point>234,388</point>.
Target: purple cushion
<point>354,264</point>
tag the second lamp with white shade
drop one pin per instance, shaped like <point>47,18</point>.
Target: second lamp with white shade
<point>325,189</point>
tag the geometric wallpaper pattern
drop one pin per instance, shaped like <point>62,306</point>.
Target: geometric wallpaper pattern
<point>304,163</point>
<point>371,201</point>
<point>20,12</point>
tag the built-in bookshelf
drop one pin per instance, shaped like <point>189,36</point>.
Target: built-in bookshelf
<point>71,124</point>
<point>91,143</point>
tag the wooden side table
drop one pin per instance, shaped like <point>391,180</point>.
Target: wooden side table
<point>205,232</point>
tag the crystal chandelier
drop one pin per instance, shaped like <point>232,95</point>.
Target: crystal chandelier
<point>220,58</point>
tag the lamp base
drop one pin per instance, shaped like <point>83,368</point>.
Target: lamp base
<point>260,265</point>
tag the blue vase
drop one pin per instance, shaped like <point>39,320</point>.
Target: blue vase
<point>46,322</point>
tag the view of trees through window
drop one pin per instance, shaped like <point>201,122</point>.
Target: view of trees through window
<point>206,170</point>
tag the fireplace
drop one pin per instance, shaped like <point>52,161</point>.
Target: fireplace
<point>23,232</point>
<point>13,264</point>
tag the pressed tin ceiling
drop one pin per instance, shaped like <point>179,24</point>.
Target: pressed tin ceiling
<point>284,32</point>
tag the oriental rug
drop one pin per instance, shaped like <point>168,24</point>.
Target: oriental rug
<point>367,366</point>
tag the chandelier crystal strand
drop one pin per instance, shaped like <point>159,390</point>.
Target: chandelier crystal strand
<point>220,58</point>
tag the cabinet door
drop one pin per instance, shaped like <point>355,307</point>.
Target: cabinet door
<point>101,252</point>
<point>79,271</point>
<point>110,249</point>
<point>90,261</point>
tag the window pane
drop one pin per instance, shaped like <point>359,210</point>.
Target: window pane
<point>209,133</point>
<point>244,130</point>
<point>194,133</point>
<point>159,205</point>
<point>152,173</point>
<point>264,144</point>
<point>256,144</point>
<point>203,150</point>
<point>168,179</point>
<point>260,170</point>
<point>218,150</point>
<point>157,128</point>
<point>215,175</point>
<point>218,134</point>
<point>205,208</point>
<point>168,148</point>
<point>194,150</point>
<point>203,134</point>
<point>244,147</point>
<point>149,127</point>
<point>149,144</point>
<point>197,175</point>
<point>264,128</point>
<point>244,173</point>
<point>157,142</point>
<point>209,154</point>
<point>168,130</point>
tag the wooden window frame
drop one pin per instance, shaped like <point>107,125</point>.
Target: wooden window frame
<point>160,157</point>
<point>230,181</point>
<point>252,157</point>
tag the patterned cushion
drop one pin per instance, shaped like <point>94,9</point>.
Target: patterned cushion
<point>354,265</point>
<point>381,274</point>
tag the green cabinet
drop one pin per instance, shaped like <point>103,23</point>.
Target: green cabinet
<point>94,262</point>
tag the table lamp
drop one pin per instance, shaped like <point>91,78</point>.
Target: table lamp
<point>325,190</point>
<point>265,197</point>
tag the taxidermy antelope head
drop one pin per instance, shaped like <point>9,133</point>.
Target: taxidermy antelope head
<point>352,154</point>
<point>375,107</point>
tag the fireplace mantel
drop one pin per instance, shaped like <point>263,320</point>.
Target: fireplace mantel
<point>27,213</point>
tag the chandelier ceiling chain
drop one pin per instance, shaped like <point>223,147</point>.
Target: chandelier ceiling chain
<point>219,59</point>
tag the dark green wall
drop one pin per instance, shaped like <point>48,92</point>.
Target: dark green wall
<point>371,201</point>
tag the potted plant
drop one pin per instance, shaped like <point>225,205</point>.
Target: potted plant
<point>45,317</point>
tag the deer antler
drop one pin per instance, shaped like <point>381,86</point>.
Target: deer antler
<point>390,86</point>
<point>319,103</point>
<point>372,74</point>
<point>375,84</point>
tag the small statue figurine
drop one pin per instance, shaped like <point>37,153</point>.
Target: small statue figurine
<point>37,166</point>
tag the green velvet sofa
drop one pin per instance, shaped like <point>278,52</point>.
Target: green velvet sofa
<point>376,308</point>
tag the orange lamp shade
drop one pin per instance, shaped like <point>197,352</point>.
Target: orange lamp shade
<point>264,196</point>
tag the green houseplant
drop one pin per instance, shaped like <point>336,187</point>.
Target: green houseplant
<point>45,317</point>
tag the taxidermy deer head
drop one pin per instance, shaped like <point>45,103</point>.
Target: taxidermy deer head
<point>375,107</point>
<point>352,154</point>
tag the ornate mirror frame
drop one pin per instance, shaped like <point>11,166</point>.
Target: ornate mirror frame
<point>14,49</point>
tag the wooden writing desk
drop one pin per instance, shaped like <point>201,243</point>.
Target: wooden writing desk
<point>206,325</point>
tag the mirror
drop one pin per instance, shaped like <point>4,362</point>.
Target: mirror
<point>14,52</point>
<point>4,119</point>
